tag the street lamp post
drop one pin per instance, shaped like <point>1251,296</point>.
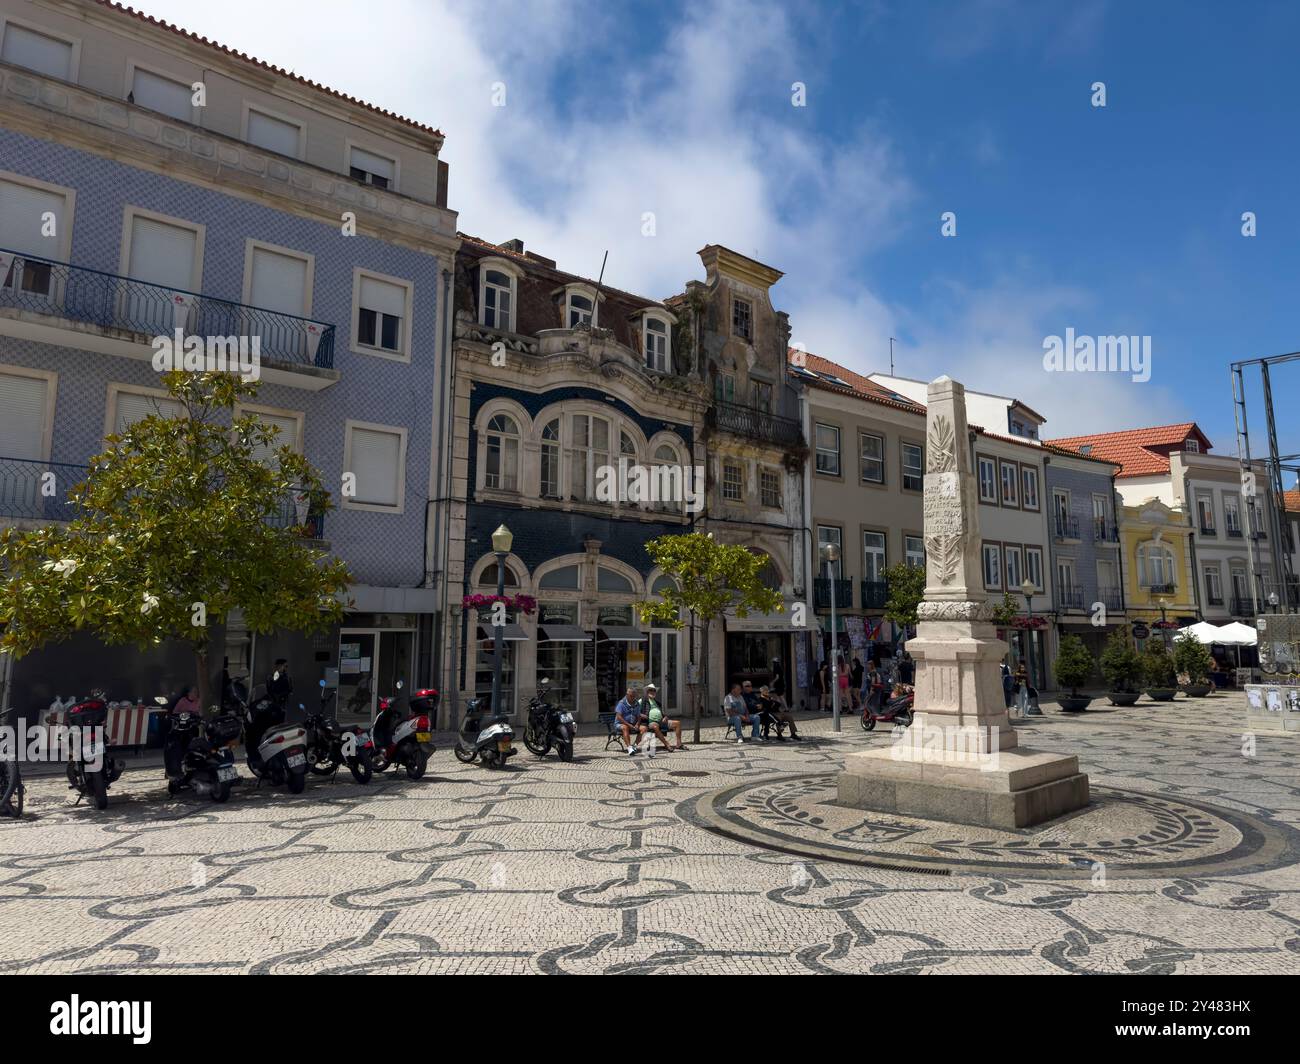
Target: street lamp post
<point>456,610</point>
<point>830,555</point>
<point>1273,600</point>
<point>502,539</point>
<point>1027,589</point>
<point>1164,632</point>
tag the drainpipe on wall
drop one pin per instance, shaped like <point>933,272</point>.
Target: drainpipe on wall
<point>441,517</point>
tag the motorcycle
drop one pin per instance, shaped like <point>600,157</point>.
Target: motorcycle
<point>91,717</point>
<point>276,751</point>
<point>331,744</point>
<point>549,726</point>
<point>894,711</point>
<point>404,741</point>
<point>491,743</point>
<point>198,755</point>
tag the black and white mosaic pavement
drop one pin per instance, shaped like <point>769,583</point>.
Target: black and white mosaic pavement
<point>693,862</point>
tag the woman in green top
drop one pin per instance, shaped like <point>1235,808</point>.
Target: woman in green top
<point>657,721</point>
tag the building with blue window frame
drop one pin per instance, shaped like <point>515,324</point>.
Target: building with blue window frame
<point>150,180</point>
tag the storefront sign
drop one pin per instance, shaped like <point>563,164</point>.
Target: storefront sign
<point>1141,630</point>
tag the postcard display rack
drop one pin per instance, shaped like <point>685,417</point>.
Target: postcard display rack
<point>1274,704</point>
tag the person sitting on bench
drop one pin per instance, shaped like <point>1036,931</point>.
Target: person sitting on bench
<point>629,718</point>
<point>774,713</point>
<point>657,721</point>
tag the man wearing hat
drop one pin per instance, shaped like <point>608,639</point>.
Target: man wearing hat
<point>656,720</point>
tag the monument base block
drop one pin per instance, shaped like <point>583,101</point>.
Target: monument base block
<point>1009,789</point>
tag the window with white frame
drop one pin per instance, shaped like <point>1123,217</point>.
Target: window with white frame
<point>1014,560</point>
<point>1065,579</point>
<point>733,481</point>
<point>873,557</point>
<point>657,355</point>
<point>550,460</point>
<point>502,458</point>
<point>913,464</point>
<point>372,169</point>
<point>770,486</point>
<point>1060,511</point>
<point>1029,487</point>
<point>383,306</point>
<point>829,535</point>
<point>278,281</point>
<point>131,406</point>
<point>914,551</point>
<point>25,211</point>
<point>992,556</point>
<point>672,482</point>
<point>1213,585</point>
<point>376,457</point>
<point>165,254</point>
<point>589,449</point>
<point>165,95</point>
<point>1232,514</point>
<point>742,319</point>
<point>25,403</point>
<point>37,51</point>
<point>288,433</point>
<point>873,458</point>
<point>988,478</point>
<point>1155,565</point>
<point>1034,567</point>
<point>579,306</point>
<point>1009,472</point>
<point>828,450</point>
<point>272,133</point>
<point>498,299</point>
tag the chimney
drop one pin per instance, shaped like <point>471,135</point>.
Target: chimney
<point>516,245</point>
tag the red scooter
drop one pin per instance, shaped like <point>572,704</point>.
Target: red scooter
<point>896,710</point>
<point>408,740</point>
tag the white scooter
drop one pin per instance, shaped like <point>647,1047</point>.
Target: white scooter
<point>492,744</point>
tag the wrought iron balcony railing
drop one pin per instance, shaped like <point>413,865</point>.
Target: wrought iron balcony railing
<point>1069,598</point>
<point>28,494</point>
<point>1103,531</point>
<point>875,593</point>
<point>1244,606</point>
<point>1160,589</point>
<point>1065,526</point>
<point>822,593</point>
<point>76,293</point>
<point>1234,532</point>
<point>755,424</point>
<point>1110,597</point>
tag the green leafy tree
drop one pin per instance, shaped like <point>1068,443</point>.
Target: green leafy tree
<point>1007,612</point>
<point>1192,658</point>
<point>1157,665</point>
<point>710,577</point>
<point>1120,665</point>
<point>906,584</point>
<point>1074,664</point>
<point>179,522</point>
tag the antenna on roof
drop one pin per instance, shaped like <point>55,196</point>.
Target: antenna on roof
<point>891,356</point>
<point>595,306</point>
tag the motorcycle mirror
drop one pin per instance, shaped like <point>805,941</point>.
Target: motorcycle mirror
<point>322,683</point>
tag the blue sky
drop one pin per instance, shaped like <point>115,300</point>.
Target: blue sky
<point>1117,220</point>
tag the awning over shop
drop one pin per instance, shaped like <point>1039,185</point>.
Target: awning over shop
<point>758,622</point>
<point>511,633</point>
<point>620,635</point>
<point>562,633</point>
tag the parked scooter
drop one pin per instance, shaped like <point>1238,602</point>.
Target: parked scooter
<point>406,741</point>
<point>331,744</point>
<point>894,711</point>
<point>549,726</point>
<point>198,754</point>
<point>492,743</point>
<point>276,751</point>
<point>89,781</point>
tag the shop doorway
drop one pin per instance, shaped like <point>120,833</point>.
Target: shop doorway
<point>371,661</point>
<point>664,670</point>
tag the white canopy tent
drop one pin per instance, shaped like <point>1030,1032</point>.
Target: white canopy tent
<point>1202,632</point>
<point>1237,634</point>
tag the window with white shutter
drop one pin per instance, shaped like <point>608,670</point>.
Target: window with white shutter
<point>37,51</point>
<point>372,169</point>
<point>381,314</point>
<point>278,282</point>
<point>163,255</point>
<point>286,437</point>
<point>23,404</point>
<point>32,223</point>
<point>164,95</point>
<point>274,134</point>
<point>375,459</point>
<point>134,406</point>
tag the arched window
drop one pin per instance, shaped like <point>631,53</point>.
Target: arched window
<point>502,470</point>
<point>768,575</point>
<point>627,446</point>
<point>578,308</point>
<point>564,579</point>
<point>670,479</point>
<point>498,300</point>
<point>588,451</point>
<point>658,356</point>
<point>1156,566</point>
<point>662,583</point>
<point>488,578</point>
<point>609,580</point>
<point>550,456</point>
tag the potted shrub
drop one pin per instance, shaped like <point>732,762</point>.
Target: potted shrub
<point>1073,667</point>
<point>1159,677</point>
<point>1121,668</point>
<point>1193,661</point>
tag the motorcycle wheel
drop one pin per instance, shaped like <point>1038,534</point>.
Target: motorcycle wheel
<point>174,787</point>
<point>541,749</point>
<point>566,751</point>
<point>869,723</point>
<point>464,756</point>
<point>865,720</point>
<point>361,768</point>
<point>220,793</point>
<point>418,763</point>
<point>297,782</point>
<point>98,789</point>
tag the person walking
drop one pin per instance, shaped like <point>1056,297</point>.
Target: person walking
<point>855,688</point>
<point>824,686</point>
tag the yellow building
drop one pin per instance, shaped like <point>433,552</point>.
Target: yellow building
<point>1157,563</point>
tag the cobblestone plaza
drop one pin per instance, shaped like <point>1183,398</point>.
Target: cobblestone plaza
<point>722,858</point>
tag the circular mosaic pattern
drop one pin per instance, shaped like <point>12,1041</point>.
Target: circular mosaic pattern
<point>1121,833</point>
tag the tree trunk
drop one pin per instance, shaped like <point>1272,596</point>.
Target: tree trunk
<point>703,689</point>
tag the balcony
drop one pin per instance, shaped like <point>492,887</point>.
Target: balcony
<point>822,593</point>
<point>23,500</point>
<point>755,424</point>
<point>1110,597</point>
<point>126,315</point>
<point>1208,530</point>
<point>1244,606</point>
<point>875,593</point>
<point>1069,598</point>
<point>1234,532</point>
<point>1160,589</point>
<point>1104,532</point>
<point>1065,527</point>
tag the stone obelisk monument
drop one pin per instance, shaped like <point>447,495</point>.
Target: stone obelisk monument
<point>959,761</point>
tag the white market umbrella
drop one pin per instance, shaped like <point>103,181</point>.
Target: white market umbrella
<point>1237,634</point>
<point>1203,632</point>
